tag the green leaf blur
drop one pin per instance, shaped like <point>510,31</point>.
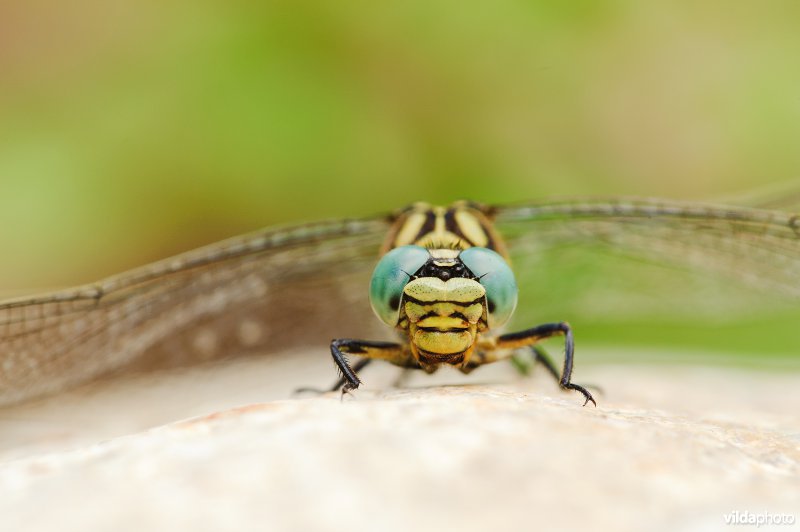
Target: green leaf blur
<point>133,130</point>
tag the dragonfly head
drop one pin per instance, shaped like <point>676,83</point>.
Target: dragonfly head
<point>443,298</point>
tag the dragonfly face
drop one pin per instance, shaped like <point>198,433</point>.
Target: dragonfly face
<point>442,292</point>
<point>443,319</point>
<point>439,305</point>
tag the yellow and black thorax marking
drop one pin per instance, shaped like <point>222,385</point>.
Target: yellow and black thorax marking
<point>462,225</point>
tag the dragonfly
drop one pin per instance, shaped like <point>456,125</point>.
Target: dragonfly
<point>305,284</point>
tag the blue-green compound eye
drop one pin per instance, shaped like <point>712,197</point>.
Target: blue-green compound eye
<point>494,274</point>
<point>391,275</point>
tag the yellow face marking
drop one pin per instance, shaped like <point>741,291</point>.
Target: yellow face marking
<point>443,317</point>
<point>444,342</point>
<point>443,322</point>
<point>415,312</point>
<point>458,290</point>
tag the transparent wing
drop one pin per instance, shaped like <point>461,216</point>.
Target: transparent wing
<point>783,196</point>
<point>284,287</point>
<point>590,238</point>
<point>263,291</point>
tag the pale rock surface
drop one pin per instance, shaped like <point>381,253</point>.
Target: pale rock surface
<point>672,449</point>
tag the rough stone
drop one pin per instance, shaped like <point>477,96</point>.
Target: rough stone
<point>668,448</point>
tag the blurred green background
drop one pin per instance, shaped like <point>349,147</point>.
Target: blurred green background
<point>133,130</point>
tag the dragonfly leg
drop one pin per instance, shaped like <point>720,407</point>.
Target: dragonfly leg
<point>540,356</point>
<point>521,361</point>
<point>498,348</point>
<point>358,366</point>
<point>533,335</point>
<point>340,348</point>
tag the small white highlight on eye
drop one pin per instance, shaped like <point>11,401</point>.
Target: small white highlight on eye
<point>250,333</point>
<point>206,343</point>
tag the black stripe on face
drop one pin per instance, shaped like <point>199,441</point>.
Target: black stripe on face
<point>433,314</point>
<point>438,330</point>
<point>437,301</point>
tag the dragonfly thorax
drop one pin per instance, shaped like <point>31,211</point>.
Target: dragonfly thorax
<point>459,226</point>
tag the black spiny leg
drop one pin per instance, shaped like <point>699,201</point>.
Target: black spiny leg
<point>358,366</point>
<point>533,335</point>
<point>540,356</point>
<point>370,350</point>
